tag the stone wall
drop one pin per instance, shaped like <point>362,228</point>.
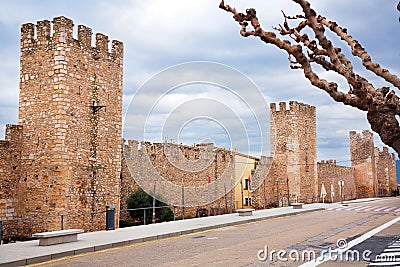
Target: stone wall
<point>10,183</point>
<point>262,185</point>
<point>392,173</point>
<point>175,166</point>
<point>386,171</point>
<point>329,175</point>
<point>375,169</point>
<point>293,143</point>
<point>362,155</point>
<point>70,126</point>
<point>63,163</point>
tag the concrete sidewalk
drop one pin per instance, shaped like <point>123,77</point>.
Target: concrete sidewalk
<point>22,253</point>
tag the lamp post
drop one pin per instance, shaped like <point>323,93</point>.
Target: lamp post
<point>208,194</point>
<point>241,190</point>
<point>277,192</point>
<point>215,153</point>
<point>154,202</point>
<point>226,200</point>
<point>288,194</point>
<point>183,201</point>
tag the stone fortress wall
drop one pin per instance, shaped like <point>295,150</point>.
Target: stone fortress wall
<point>374,169</point>
<point>66,148</point>
<point>293,136</point>
<point>66,161</point>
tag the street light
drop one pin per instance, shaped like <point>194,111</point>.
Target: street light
<point>183,200</point>
<point>249,191</point>
<point>288,195</point>
<point>277,193</point>
<point>154,201</point>
<point>215,153</point>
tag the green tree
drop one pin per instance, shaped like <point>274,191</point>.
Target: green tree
<point>139,200</point>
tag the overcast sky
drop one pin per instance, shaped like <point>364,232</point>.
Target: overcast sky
<point>159,35</point>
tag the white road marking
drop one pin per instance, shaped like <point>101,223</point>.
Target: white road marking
<point>352,243</point>
<point>390,209</point>
<point>363,208</point>
<point>392,250</point>
<point>370,209</point>
<point>381,208</point>
<point>384,264</point>
<point>352,208</point>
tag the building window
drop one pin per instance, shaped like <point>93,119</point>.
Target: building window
<point>246,184</point>
<point>247,201</point>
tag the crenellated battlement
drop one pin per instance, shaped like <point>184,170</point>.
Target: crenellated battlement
<point>85,36</point>
<point>384,152</point>
<point>27,35</point>
<point>366,135</point>
<point>43,30</point>
<point>13,132</point>
<point>190,152</point>
<point>101,42</point>
<point>294,107</point>
<point>60,32</point>
<point>328,162</point>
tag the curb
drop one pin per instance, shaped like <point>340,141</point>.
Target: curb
<point>360,200</point>
<point>44,258</point>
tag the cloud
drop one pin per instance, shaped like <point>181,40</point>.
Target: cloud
<point>159,34</point>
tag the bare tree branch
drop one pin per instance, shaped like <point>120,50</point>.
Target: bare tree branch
<point>382,104</point>
<point>360,52</point>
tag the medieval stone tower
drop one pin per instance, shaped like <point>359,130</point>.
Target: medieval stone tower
<point>293,143</point>
<point>70,111</point>
<point>363,160</point>
<point>385,171</point>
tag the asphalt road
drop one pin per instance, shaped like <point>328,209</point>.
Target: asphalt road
<point>245,245</point>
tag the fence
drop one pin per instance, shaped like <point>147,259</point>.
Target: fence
<point>21,228</point>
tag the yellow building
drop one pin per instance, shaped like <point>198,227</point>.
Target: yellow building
<point>244,169</point>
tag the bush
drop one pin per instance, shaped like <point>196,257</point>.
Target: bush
<point>139,200</point>
<point>123,224</point>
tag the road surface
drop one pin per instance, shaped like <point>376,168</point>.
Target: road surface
<point>258,244</point>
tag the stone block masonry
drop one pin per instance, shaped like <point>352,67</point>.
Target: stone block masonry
<point>374,169</point>
<point>63,163</point>
<point>329,175</point>
<point>363,161</point>
<point>68,150</point>
<point>385,171</point>
<point>173,166</point>
<point>293,141</point>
